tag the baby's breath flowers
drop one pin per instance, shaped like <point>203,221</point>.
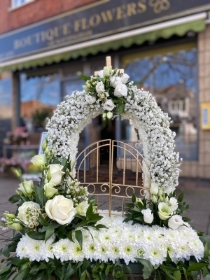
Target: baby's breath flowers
<point>28,214</point>
<point>110,91</point>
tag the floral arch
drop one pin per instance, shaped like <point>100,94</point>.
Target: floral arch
<point>61,234</point>
<point>110,91</point>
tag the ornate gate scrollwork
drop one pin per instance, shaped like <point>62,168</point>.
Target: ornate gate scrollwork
<point>115,179</point>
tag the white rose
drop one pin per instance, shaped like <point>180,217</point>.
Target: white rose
<point>175,222</point>
<point>109,105</point>
<point>114,81</point>
<point>101,73</point>
<point>154,189</point>
<point>50,191</point>
<point>164,210</point>
<point>124,78</point>
<point>100,87</point>
<point>173,203</point>
<point>82,208</point>
<point>27,187</point>
<point>147,215</point>
<point>120,90</point>
<point>24,211</point>
<point>60,209</point>
<point>55,174</point>
<point>90,99</point>
<point>39,161</point>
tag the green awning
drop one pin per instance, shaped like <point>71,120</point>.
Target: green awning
<point>180,30</point>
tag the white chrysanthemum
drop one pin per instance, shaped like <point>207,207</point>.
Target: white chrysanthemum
<point>155,254</point>
<point>119,241</point>
<point>61,249</point>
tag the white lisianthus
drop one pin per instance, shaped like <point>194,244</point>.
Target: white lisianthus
<point>154,188</point>
<point>50,191</point>
<point>147,215</point>
<point>82,208</point>
<point>109,115</point>
<point>173,203</point>
<point>106,71</point>
<point>39,161</point>
<point>15,226</point>
<point>120,90</point>
<point>27,187</point>
<point>55,174</point>
<point>154,199</point>
<point>109,105</point>
<point>175,222</point>
<point>100,87</point>
<point>164,210</point>
<point>90,99</point>
<point>114,81</point>
<point>28,213</point>
<point>124,78</point>
<point>60,209</point>
<point>101,73</point>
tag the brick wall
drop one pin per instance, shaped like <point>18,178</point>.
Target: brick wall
<point>201,168</point>
<point>34,12</point>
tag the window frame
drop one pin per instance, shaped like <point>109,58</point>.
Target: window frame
<point>15,6</point>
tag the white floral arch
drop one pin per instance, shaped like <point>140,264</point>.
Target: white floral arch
<point>111,91</point>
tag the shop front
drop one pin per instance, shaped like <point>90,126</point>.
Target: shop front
<point>162,45</point>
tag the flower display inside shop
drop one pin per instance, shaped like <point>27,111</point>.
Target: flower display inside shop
<point>59,232</point>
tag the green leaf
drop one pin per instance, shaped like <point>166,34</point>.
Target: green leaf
<point>79,237</point>
<point>22,274</point>
<point>5,251</point>
<point>5,269</point>
<point>172,274</point>
<point>14,198</point>
<point>69,235</point>
<point>180,197</point>
<point>61,231</point>
<point>42,221</point>
<point>39,195</point>
<point>49,232</point>
<point>206,250</point>
<point>83,77</point>
<point>196,266</point>
<point>100,226</point>
<point>83,276</point>
<point>36,235</point>
<point>133,198</point>
<point>108,269</point>
<point>89,212</point>
<point>70,270</point>
<point>147,269</point>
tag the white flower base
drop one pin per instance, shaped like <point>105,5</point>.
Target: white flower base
<point>119,241</point>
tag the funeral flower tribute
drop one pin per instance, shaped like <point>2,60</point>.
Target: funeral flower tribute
<point>58,232</point>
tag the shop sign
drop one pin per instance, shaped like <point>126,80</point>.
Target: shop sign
<point>100,19</point>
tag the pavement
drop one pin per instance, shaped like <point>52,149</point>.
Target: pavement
<point>197,195</point>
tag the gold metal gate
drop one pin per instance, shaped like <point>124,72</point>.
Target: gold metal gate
<point>113,180</point>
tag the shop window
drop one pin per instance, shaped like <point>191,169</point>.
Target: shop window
<point>171,77</point>
<point>39,98</point>
<point>5,110</point>
<point>18,3</point>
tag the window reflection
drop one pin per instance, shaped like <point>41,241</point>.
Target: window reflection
<point>172,79</point>
<point>39,97</point>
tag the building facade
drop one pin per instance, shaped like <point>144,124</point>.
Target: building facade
<point>162,44</point>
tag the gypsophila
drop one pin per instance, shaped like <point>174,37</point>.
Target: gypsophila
<point>73,114</point>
